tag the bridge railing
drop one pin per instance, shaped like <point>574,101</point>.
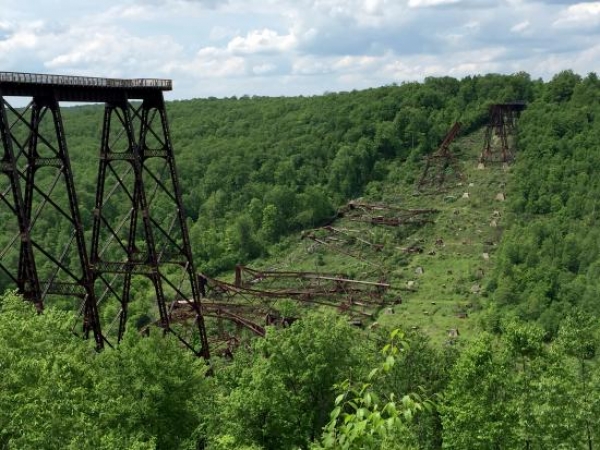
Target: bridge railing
<point>70,80</point>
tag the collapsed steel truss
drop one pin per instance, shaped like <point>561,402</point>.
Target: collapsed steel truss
<point>385,214</point>
<point>252,301</point>
<point>441,164</point>
<point>136,174</point>
<point>502,124</point>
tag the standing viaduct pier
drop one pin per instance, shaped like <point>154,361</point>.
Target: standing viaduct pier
<point>136,172</point>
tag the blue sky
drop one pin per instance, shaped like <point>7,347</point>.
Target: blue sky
<point>223,48</point>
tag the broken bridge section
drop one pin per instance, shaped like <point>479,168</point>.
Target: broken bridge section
<point>258,298</point>
<point>138,226</point>
<point>441,165</point>
<point>501,132</point>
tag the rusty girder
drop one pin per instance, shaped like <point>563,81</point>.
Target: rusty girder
<point>334,234</point>
<point>41,181</point>
<point>377,214</point>
<point>251,301</point>
<point>137,158</point>
<point>307,284</point>
<point>308,288</point>
<point>136,177</point>
<point>441,164</point>
<point>502,124</point>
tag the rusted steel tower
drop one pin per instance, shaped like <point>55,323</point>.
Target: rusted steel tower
<point>136,168</point>
<point>500,135</point>
<point>442,164</point>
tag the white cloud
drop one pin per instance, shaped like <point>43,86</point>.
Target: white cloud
<point>375,7</point>
<point>309,65</point>
<point>218,33</point>
<point>128,12</point>
<point>107,52</point>
<point>236,47</point>
<point>427,3</point>
<point>462,63</point>
<point>580,15</point>
<point>20,39</point>
<point>209,62</point>
<point>355,63</point>
<point>520,27</point>
<point>263,69</point>
<point>261,41</point>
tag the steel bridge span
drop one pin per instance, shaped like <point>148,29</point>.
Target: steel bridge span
<point>137,226</point>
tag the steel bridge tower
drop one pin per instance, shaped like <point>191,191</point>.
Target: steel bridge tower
<point>137,226</point>
<point>502,125</point>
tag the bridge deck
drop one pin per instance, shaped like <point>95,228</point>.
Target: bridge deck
<point>79,88</point>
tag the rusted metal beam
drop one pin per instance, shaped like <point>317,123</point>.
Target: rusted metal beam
<point>502,124</point>
<point>244,305</point>
<point>439,163</point>
<point>136,156</point>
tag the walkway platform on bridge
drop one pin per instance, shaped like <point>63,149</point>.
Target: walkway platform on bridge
<point>80,88</point>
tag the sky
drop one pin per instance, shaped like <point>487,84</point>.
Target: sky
<point>224,48</point>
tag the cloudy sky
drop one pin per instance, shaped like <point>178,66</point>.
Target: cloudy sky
<point>289,47</point>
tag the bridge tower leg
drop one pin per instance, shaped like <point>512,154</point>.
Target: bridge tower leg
<point>502,124</point>
<point>12,198</point>
<point>148,236</point>
<point>47,265</point>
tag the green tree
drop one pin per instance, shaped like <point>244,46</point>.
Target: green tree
<point>56,392</point>
<point>279,396</point>
<point>477,411</point>
<point>364,419</point>
<point>578,341</point>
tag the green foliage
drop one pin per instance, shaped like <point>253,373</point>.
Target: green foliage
<point>550,252</point>
<point>279,395</point>
<point>57,393</point>
<point>295,159</point>
<point>517,392</point>
<point>256,170</point>
<point>363,419</point>
<point>476,413</point>
<point>423,368</point>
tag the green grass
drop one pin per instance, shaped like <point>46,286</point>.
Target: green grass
<point>450,292</point>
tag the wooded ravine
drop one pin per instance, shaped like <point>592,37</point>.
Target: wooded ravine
<point>473,323</point>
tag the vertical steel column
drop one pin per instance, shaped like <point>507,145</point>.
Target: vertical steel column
<point>26,278</point>
<point>436,164</point>
<point>42,164</point>
<point>175,241</point>
<point>113,248</point>
<point>141,243</point>
<point>502,122</point>
<point>65,280</point>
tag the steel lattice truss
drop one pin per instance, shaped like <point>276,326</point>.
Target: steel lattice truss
<point>251,302</point>
<point>136,174</point>
<point>441,165</point>
<point>500,135</point>
<point>385,214</point>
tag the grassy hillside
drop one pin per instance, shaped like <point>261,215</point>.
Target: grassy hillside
<point>256,172</point>
<point>439,271</point>
<point>322,184</point>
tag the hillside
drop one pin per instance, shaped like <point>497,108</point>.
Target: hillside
<point>503,262</point>
<point>256,172</point>
<point>438,270</point>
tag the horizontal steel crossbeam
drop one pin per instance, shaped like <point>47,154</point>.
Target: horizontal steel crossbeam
<point>81,89</point>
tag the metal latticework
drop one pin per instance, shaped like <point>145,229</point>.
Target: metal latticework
<point>258,298</point>
<point>138,226</point>
<point>48,265</point>
<point>138,223</point>
<point>441,165</point>
<point>500,134</point>
<point>16,256</point>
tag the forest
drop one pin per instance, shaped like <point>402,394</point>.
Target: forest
<point>256,172</point>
